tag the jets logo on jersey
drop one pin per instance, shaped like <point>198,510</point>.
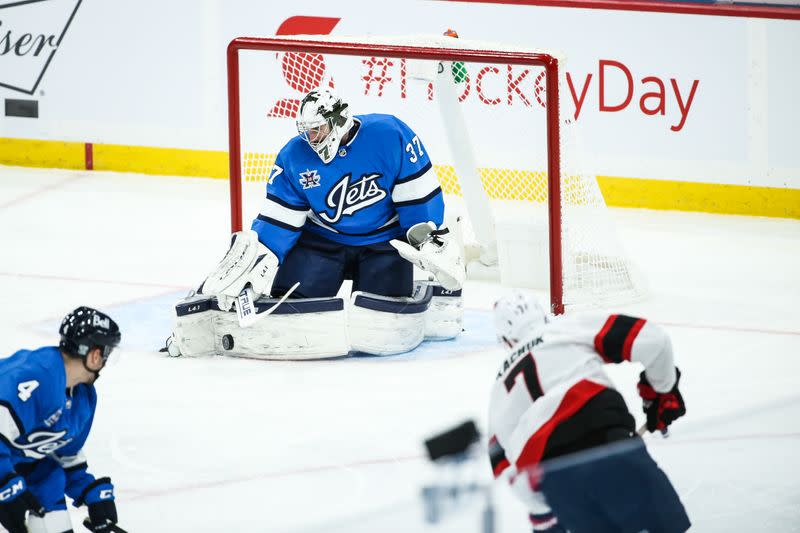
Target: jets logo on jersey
<point>309,179</point>
<point>42,443</point>
<point>346,198</point>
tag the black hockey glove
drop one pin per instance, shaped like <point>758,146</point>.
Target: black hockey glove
<point>661,408</point>
<point>103,516</point>
<point>15,501</point>
<point>99,498</point>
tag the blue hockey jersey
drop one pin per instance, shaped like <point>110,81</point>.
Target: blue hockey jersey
<point>380,184</point>
<point>40,419</point>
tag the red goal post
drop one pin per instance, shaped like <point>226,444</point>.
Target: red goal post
<point>410,49</point>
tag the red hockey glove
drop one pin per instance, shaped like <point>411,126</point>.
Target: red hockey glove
<point>661,408</point>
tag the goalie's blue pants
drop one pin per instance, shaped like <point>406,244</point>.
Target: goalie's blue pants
<point>321,266</point>
<point>613,489</point>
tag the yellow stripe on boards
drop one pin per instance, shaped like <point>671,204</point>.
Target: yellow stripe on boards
<point>47,154</point>
<point>500,183</point>
<point>703,197</point>
<point>163,161</point>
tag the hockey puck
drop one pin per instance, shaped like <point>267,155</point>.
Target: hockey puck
<point>227,342</point>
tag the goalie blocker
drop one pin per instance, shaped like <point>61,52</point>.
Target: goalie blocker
<point>318,328</point>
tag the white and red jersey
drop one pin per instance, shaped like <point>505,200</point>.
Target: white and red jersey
<point>549,376</point>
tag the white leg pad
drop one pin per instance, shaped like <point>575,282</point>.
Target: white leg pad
<point>382,325</point>
<point>52,522</point>
<point>312,328</point>
<point>445,317</point>
<point>318,328</point>
<point>193,333</point>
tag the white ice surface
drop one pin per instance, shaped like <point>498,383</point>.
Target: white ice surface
<point>237,445</point>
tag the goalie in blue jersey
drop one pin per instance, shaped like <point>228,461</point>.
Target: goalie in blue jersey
<point>339,193</point>
<point>351,197</point>
<point>47,404</point>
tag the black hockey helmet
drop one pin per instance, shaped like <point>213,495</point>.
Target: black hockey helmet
<point>86,328</point>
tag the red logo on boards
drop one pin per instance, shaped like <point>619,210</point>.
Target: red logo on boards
<point>491,85</point>
<point>302,72</point>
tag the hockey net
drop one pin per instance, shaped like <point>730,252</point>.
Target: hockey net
<point>490,121</point>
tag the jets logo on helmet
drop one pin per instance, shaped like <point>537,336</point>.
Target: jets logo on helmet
<point>323,121</point>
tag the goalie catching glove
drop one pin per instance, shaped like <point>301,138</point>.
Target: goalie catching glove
<point>435,251</point>
<point>247,263</point>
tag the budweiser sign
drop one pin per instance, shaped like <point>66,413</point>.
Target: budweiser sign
<point>31,32</point>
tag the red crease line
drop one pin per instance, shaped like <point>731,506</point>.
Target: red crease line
<point>37,192</point>
<point>731,328</point>
<point>271,475</point>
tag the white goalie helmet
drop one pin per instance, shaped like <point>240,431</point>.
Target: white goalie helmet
<point>516,316</point>
<point>323,120</point>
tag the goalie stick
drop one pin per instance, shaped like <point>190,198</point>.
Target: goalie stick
<point>245,306</point>
<point>113,528</point>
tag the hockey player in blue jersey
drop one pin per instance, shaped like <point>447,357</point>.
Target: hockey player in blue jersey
<point>47,403</point>
<point>350,197</point>
<point>335,220</point>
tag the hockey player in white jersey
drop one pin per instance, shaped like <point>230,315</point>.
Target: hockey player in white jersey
<point>551,398</point>
<point>351,197</point>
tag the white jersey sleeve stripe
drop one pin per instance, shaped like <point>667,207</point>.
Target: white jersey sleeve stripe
<point>9,424</point>
<point>653,348</point>
<point>291,217</point>
<point>71,460</point>
<point>626,338</point>
<point>419,187</point>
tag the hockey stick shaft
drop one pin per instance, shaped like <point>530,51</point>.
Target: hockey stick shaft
<point>114,528</point>
<point>643,429</point>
